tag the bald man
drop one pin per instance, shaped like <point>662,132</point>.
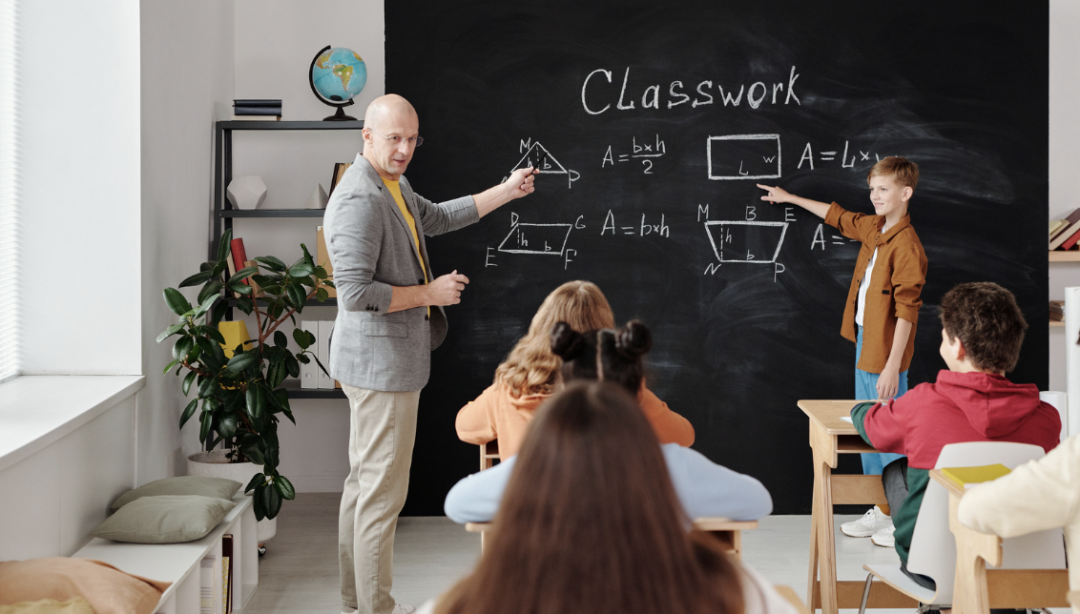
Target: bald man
<point>390,317</point>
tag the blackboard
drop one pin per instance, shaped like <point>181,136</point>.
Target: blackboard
<point>653,120</point>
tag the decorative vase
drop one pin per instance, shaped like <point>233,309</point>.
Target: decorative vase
<point>214,464</point>
<point>246,192</point>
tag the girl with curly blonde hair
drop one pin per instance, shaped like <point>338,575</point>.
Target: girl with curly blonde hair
<point>530,374</point>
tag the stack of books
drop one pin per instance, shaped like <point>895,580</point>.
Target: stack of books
<point>1064,234</point>
<point>266,109</point>
<point>1057,311</point>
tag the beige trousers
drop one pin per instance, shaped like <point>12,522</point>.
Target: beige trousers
<point>381,436</point>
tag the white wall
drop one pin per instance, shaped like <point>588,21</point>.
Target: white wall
<point>61,495</point>
<point>80,188</point>
<point>1064,156</point>
<point>187,78</point>
<point>275,43</point>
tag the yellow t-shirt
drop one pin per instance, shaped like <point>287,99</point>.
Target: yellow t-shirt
<point>395,190</point>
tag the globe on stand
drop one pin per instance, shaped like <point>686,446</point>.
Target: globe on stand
<point>337,75</point>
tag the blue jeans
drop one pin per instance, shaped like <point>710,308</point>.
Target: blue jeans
<point>866,388</point>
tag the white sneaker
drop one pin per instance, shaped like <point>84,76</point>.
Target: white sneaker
<point>401,608</point>
<point>870,523</point>
<point>884,537</point>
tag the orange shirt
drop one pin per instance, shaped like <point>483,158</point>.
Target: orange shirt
<point>495,414</point>
<point>895,286</point>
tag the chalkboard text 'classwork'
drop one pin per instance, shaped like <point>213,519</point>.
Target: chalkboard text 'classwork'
<point>595,89</point>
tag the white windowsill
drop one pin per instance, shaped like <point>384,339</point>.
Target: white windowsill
<point>37,410</point>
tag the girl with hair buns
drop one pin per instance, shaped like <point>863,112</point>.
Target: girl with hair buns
<point>586,527</point>
<point>530,374</point>
<point>704,488</point>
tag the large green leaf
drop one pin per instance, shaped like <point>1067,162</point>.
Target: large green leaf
<point>257,479</point>
<point>259,503</point>
<point>240,289</point>
<point>190,377</point>
<point>168,332</point>
<point>241,361</point>
<point>256,401</point>
<point>182,347</point>
<point>296,294</point>
<point>291,366</point>
<point>302,269</point>
<point>321,295</point>
<point>280,339</point>
<point>208,387</point>
<point>176,301</point>
<point>205,343</point>
<point>220,311</point>
<point>252,448</point>
<point>245,304</point>
<point>188,411</point>
<point>227,426</point>
<point>320,273</point>
<point>301,337</point>
<point>206,304</point>
<point>196,279</point>
<point>244,273</point>
<point>169,367</point>
<point>282,397</point>
<point>273,502</point>
<point>207,422</point>
<point>285,487</point>
<point>212,332</point>
<point>272,263</point>
<point>224,245</point>
<point>212,288</point>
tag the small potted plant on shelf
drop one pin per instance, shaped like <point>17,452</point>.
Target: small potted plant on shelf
<point>240,397</point>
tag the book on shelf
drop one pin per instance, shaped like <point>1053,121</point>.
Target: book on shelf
<point>339,171</point>
<point>239,255</point>
<point>227,572</point>
<point>1057,311</point>
<point>257,102</point>
<point>256,118</point>
<point>255,289</point>
<point>1055,225</point>
<point>1068,243</point>
<point>973,476</point>
<point>257,111</point>
<point>322,258</point>
<point>1070,226</point>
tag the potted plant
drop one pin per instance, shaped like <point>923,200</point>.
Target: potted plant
<point>241,398</point>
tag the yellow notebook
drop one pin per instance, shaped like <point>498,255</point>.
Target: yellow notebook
<point>972,476</point>
<point>235,333</point>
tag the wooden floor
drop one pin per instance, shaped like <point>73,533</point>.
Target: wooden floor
<point>299,574</point>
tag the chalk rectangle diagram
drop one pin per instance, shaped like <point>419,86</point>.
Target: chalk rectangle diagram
<point>744,156</point>
<point>746,242</point>
<point>541,239</point>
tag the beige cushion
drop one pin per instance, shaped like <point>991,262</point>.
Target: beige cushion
<point>78,605</point>
<point>167,519</point>
<point>109,590</point>
<point>219,488</point>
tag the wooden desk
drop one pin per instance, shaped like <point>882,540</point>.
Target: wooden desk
<point>1011,588</point>
<point>831,436</point>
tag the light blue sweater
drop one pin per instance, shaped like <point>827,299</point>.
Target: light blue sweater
<point>704,488</point>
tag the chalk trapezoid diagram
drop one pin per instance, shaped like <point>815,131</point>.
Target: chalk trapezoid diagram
<point>538,239</point>
<point>736,241</point>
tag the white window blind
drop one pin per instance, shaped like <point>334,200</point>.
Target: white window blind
<point>10,346</point>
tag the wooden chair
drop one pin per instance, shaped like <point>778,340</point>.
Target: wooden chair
<point>933,550</point>
<point>729,532</point>
<point>788,593</point>
<point>489,453</point>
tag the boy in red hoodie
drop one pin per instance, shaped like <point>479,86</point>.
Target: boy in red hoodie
<point>982,330</point>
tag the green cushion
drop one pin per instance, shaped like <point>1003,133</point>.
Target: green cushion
<point>166,519</point>
<point>219,488</point>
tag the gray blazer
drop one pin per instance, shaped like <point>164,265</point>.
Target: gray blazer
<point>372,249</point>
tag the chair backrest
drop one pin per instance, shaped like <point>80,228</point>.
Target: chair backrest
<point>1060,402</point>
<point>933,547</point>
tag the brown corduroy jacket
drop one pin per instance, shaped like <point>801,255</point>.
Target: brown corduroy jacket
<point>895,284</point>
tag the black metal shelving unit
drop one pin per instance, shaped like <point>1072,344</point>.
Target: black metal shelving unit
<point>223,214</point>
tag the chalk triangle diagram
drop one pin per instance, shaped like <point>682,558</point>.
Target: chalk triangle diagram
<point>540,158</point>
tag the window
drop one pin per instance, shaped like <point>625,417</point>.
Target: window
<point>9,191</point>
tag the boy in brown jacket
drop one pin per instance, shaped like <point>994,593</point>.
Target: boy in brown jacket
<point>883,302</point>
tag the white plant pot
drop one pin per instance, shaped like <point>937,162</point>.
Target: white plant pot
<point>213,464</point>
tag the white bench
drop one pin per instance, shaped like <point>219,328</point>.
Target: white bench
<point>180,563</point>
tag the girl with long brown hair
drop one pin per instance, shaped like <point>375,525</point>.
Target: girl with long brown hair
<point>588,528</point>
<point>704,488</point>
<point>530,374</point>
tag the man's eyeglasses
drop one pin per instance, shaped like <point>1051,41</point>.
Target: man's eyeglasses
<point>415,141</point>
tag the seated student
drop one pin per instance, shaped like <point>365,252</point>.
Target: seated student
<point>1038,495</point>
<point>587,527</point>
<point>704,488</point>
<point>972,401</point>
<point>530,374</point>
